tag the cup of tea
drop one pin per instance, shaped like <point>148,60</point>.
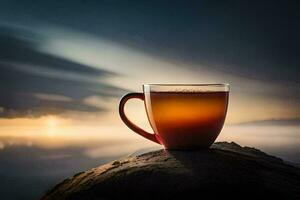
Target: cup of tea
<point>182,116</point>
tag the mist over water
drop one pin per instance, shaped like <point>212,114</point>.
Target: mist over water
<point>28,167</point>
<point>279,140</point>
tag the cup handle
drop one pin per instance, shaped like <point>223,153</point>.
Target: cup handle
<point>131,125</point>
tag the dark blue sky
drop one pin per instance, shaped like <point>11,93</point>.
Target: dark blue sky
<point>258,40</point>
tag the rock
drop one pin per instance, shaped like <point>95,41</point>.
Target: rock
<point>226,170</point>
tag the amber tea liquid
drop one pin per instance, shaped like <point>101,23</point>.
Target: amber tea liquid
<point>184,120</point>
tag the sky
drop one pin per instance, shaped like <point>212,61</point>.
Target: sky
<point>67,64</point>
<point>64,65</point>
<point>62,58</point>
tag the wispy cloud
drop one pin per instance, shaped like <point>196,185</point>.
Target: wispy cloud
<point>34,83</point>
<point>275,122</point>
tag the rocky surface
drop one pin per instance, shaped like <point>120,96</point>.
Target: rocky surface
<point>226,170</point>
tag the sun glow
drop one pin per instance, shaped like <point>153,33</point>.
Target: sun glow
<point>53,132</point>
<point>52,124</point>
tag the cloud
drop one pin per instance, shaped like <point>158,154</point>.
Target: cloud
<point>281,122</point>
<point>34,83</point>
<point>52,97</point>
<point>255,39</point>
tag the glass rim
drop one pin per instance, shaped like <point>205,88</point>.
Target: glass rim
<point>187,84</point>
